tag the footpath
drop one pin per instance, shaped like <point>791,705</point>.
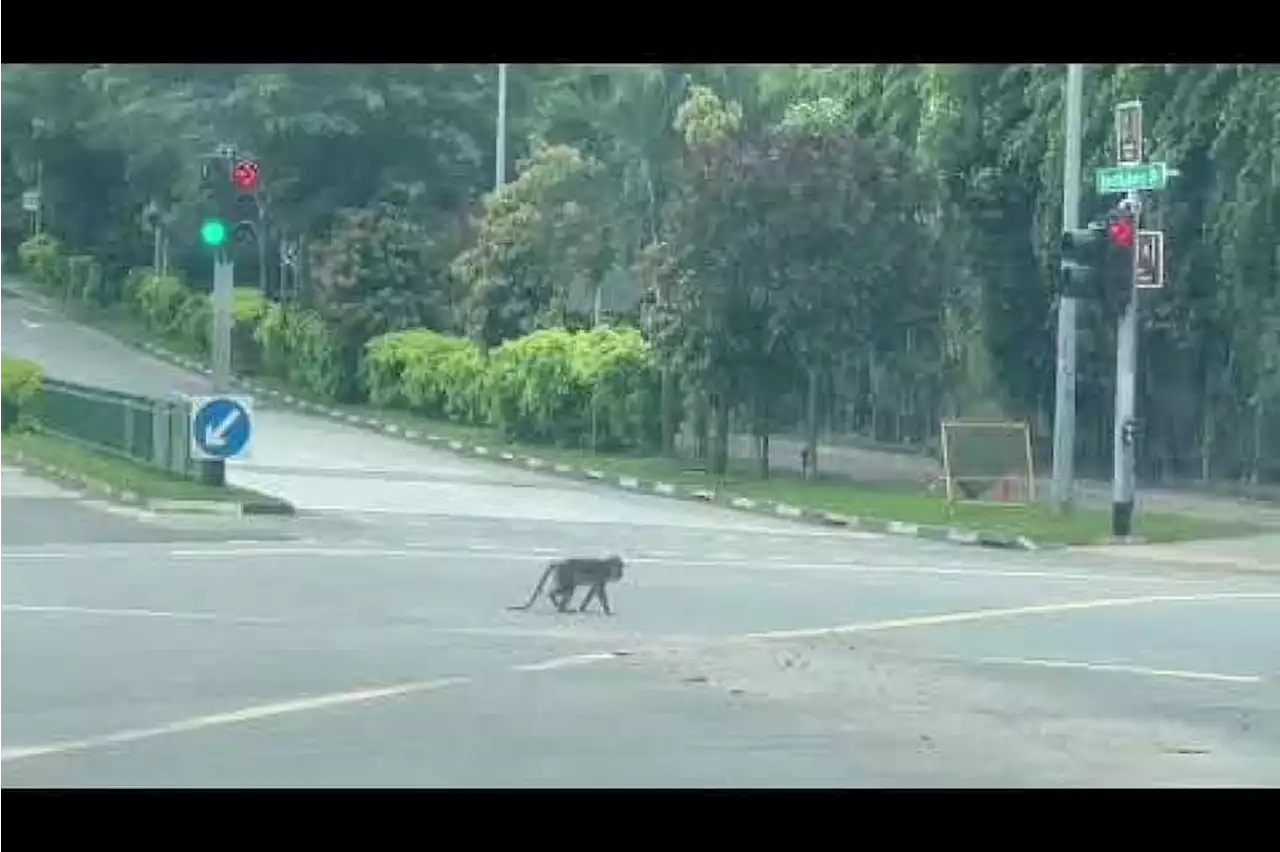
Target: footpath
<point>1254,553</point>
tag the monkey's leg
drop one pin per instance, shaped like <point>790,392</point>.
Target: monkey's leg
<point>592,592</point>
<point>563,599</point>
<point>604,600</point>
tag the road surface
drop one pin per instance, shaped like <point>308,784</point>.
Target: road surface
<point>366,642</point>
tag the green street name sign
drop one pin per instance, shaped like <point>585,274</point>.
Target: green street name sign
<point>1126,178</point>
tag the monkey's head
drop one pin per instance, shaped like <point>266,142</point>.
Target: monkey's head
<point>615,563</point>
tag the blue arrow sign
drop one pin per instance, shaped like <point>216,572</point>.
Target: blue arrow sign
<point>220,427</point>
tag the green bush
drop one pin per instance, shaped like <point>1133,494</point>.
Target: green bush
<point>425,371</point>
<point>43,262</point>
<point>84,280</point>
<point>296,345</point>
<point>382,366</point>
<point>618,368</point>
<point>161,302</point>
<point>534,391</point>
<point>20,384</point>
<point>247,311</point>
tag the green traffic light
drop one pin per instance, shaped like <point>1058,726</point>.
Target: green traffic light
<point>213,232</point>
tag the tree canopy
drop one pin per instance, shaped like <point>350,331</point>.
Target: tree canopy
<point>872,246</point>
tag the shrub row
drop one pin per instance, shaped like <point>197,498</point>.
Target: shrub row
<point>267,338</point>
<point>590,388</point>
<point>582,388</point>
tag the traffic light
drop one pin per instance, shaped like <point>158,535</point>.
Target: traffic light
<point>244,174</point>
<point>1121,228</point>
<point>213,233</point>
<point>244,177</point>
<point>245,216</point>
<point>1083,257</point>
<point>1122,231</point>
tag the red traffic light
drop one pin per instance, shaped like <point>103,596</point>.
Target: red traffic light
<point>1121,230</point>
<point>244,174</point>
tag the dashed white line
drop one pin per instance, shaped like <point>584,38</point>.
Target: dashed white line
<point>569,662</point>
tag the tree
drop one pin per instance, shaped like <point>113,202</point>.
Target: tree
<point>539,241</point>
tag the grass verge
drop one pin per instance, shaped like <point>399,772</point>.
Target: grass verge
<point>119,474</point>
<point>845,496</point>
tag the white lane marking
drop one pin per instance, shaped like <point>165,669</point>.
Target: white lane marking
<point>961,570</point>
<point>570,661</point>
<point>138,613</point>
<point>234,717</point>
<point>1005,612</point>
<point>1123,669</point>
<point>575,635</point>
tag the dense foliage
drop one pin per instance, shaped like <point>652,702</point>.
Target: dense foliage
<point>865,248</point>
<point>20,383</point>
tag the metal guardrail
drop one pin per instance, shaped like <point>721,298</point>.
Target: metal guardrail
<point>145,430</point>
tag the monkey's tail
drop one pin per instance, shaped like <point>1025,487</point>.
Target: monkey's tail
<point>537,590</point>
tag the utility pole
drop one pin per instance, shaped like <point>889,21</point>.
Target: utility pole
<point>500,152</point>
<point>1064,419</point>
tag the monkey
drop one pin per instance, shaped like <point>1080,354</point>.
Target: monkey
<point>573,572</point>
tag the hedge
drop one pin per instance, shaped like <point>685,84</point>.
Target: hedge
<point>542,388</point>
<point>596,388</point>
<point>20,384</point>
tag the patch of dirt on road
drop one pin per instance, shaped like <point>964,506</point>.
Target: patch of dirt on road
<point>969,723</point>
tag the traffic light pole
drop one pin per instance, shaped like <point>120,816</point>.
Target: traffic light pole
<point>1122,491</point>
<point>1064,419</point>
<point>215,472</point>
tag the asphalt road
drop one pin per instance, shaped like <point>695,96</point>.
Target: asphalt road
<point>366,643</point>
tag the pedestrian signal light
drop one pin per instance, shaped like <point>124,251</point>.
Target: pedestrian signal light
<point>1121,230</point>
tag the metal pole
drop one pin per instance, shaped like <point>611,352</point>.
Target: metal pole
<point>223,296</point>
<point>500,153</point>
<point>215,472</point>
<point>1122,491</point>
<point>1064,416</point>
<point>155,250</point>
<point>39,217</point>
